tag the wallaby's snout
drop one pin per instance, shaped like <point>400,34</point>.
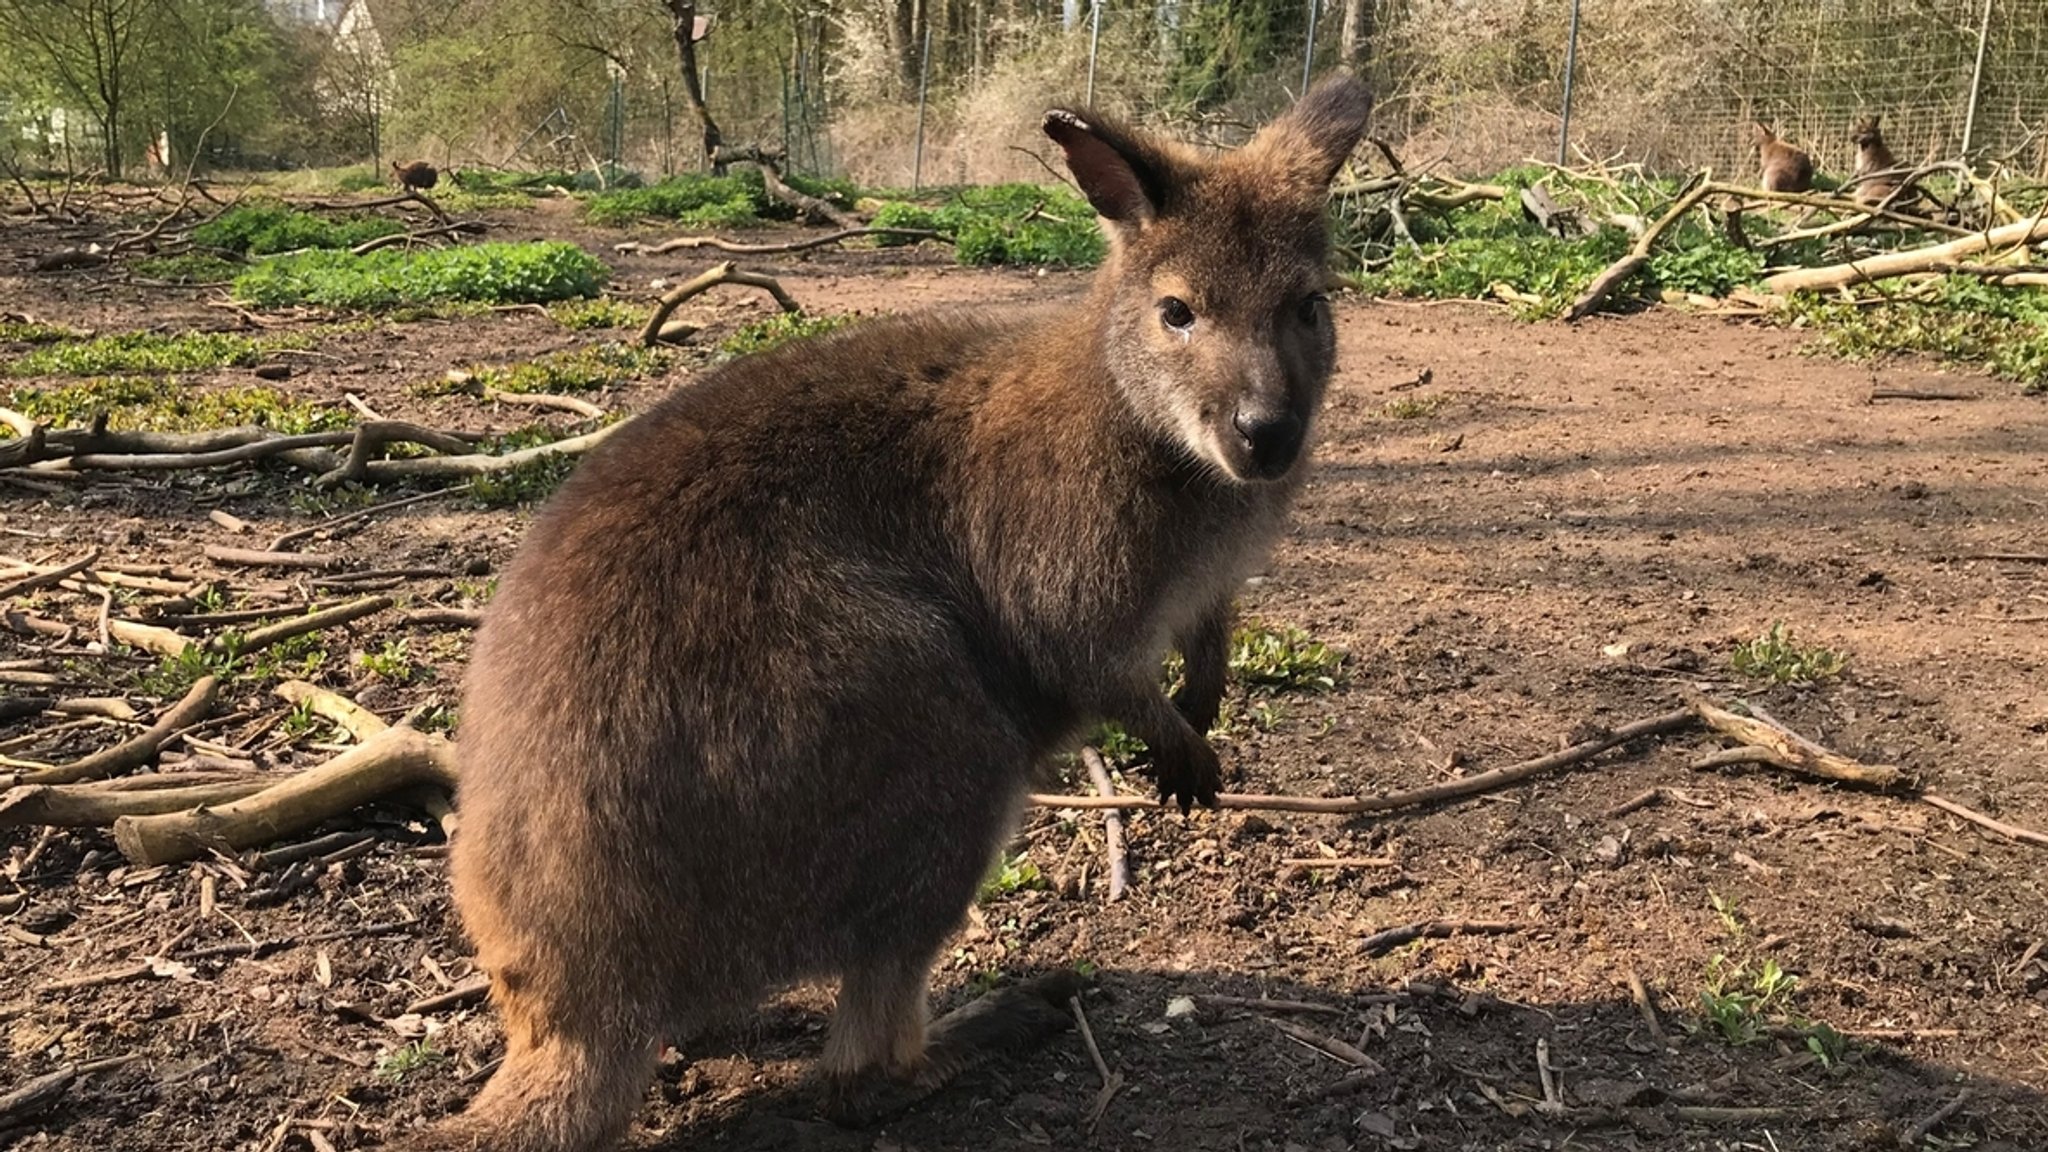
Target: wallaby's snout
<point>1219,334</point>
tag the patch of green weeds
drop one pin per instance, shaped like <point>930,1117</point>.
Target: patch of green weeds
<point>1023,224</point>
<point>1740,999</point>
<point>163,404</point>
<point>779,329</point>
<point>151,352</point>
<point>174,676</point>
<point>1265,658</point>
<point>1411,407</point>
<point>393,663</point>
<point>1009,875</point>
<point>400,1063</point>
<point>1960,318</point>
<point>187,268</point>
<point>265,227</point>
<point>1780,658</point>
<point>603,312</point>
<point>571,371</point>
<point>528,483</point>
<point>490,273</point>
<point>33,332</point>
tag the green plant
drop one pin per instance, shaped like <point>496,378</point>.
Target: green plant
<point>1778,657</point>
<point>33,332</point>
<point>492,273</point>
<point>603,312</point>
<point>164,404</point>
<point>1282,659</point>
<point>392,662</point>
<point>187,268</point>
<point>1006,224</point>
<point>1958,318</point>
<point>400,1063</point>
<point>1010,874</point>
<point>1739,999</point>
<point>1411,407</point>
<point>585,369</point>
<point>527,483</point>
<point>263,227</point>
<point>779,329</point>
<point>150,352</point>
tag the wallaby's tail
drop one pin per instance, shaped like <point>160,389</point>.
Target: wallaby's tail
<point>560,1094</point>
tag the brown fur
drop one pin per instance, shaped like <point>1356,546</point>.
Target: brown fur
<point>760,696</point>
<point>1872,158</point>
<point>1784,168</point>
<point>416,176</point>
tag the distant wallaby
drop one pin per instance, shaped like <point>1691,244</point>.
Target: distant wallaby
<point>760,697</point>
<point>1877,171</point>
<point>417,176</point>
<point>1785,168</point>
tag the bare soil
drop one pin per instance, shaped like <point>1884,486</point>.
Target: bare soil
<point>1561,529</point>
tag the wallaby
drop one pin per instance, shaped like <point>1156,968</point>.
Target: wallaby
<point>1785,168</point>
<point>1877,176</point>
<point>760,696</point>
<point>417,176</point>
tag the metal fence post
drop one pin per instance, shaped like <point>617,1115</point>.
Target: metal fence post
<point>1976,80</point>
<point>924,68</point>
<point>1308,54</point>
<point>1094,38</point>
<point>1571,66</point>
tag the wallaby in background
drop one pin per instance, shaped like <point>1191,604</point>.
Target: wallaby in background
<point>417,176</point>
<point>1877,171</point>
<point>1784,168</point>
<point>760,697</point>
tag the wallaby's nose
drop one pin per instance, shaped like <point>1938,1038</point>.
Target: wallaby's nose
<point>1274,440</point>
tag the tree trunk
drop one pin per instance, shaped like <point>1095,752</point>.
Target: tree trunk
<point>683,17</point>
<point>903,44</point>
<point>1354,46</point>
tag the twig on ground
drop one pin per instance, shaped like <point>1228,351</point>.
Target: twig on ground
<point>1112,1082</point>
<point>1380,943</point>
<point>350,716</point>
<point>546,400</point>
<point>1788,749</point>
<point>1912,1137</point>
<point>738,248</point>
<point>257,639</point>
<point>252,558</point>
<point>372,436</point>
<point>175,461</point>
<point>1112,825</point>
<point>467,227</point>
<point>1597,291</point>
<point>725,273</point>
<point>1640,993</point>
<point>289,538</point>
<point>468,992</point>
<point>134,752</point>
<point>1327,1045</point>
<point>1553,1100</point>
<point>2009,831</point>
<point>1258,1004</point>
<point>89,806</point>
<point>39,1093</point>
<point>1340,862</point>
<point>53,576</point>
<point>446,617</point>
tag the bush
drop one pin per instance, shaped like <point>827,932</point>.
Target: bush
<point>263,227</point>
<point>1006,224</point>
<point>494,273</point>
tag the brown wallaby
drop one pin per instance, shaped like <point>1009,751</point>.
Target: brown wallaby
<point>1877,171</point>
<point>417,176</point>
<point>1785,168</point>
<point>760,696</point>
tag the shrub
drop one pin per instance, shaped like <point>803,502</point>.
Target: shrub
<point>1006,224</point>
<point>263,227</point>
<point>493,273</point>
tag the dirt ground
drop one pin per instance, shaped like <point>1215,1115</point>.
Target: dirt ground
<point>1560,529</point>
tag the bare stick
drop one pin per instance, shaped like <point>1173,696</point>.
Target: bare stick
<point>483,464</point>
<point>1790,750</point>
<point>1340,862</point>
<point>372,436</point>
<point>252,558</point>
<point>167,462</point>
<point>741,249</point>
<point>296,535</point>
<point>394,759</point>
<point>1912,260</point>
<point>726,273</point>
<point>1111,1081</point>
<point>37,1094</point>
<point>132,753</point>
<point>53,576</point>
<point>1450,790</point>
<point>1256,1004</point>
<point>471,227</point>
<point>1596,293</point>
<point>1380,943</point>
<point>2009,831</point>
<point>350,716</point>
<point>1112,825</point>
<point>446,617</point>
<point>583,408</point>
<point>1639,993</point>
<point>83,806</point>
<point>465,993</point>
<point>1328,1045</point>
<point>1912,1137</point>
<point>147,637</point>
<point>260,638</point>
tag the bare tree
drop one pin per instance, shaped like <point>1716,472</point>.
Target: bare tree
<point>1354,45</point>
<point>684,24</point>
<point>87,46</point>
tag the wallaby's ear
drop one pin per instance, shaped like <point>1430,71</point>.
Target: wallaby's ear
<point>1124,179</point>
<point>1308,144</point>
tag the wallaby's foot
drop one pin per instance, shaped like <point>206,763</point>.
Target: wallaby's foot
<point>1188,773</point>
<point>1002,1023</point>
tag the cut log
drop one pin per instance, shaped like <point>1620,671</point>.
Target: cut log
<point>1932,258</point>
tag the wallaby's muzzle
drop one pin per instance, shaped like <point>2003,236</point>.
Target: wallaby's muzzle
<point>1269,441</point>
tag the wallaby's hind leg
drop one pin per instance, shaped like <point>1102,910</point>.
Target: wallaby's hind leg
<point>567,1085</point>
<point>878,1025</point>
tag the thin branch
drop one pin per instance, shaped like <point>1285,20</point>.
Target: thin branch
<point>738,248</point>
<point>1112,825</point>
<point>725,273</point>
<point>134,752</point>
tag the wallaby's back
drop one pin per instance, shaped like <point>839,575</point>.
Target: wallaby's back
<point>761,693</point>
<point>418,175</point>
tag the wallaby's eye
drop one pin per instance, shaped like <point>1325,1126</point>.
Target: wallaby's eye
<point>1175,314</point>
<point>1311,310</point>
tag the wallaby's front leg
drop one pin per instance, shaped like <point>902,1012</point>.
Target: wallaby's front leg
<point>1205,664</point>
<point>1186,766</point>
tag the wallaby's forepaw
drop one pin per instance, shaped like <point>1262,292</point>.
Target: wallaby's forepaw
<point>1188,774</point>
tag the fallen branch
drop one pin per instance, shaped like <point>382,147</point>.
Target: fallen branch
<point>394,759</point>
<point>583,408</point>
<point>35,1095</point>
<point>298,534</point>
<point>468,227</point>
<point>96,806</point>
<point>1112,1082</point>
<point>53,576</point>
<point>446,617</point>
<point>257,639</point>
<point>738,248</point>
<point>725,273</point>
<point>1596,293</point>
<point>1381,943</point>
<point>1328,1045</point>
<point>1912,1137</point>
<point>2009,831</point>
<point>1450,790</point>
<point>148,637</point>
<point>483,463</point>
<point>1112,825</point>
<point>1788,749</point>
<point>1912,260</point>
<point>350,716</point>
<point>372,436</point>
<point>134,752</point>
<point>1640,994</point>
<point>166,462</point>
<point>255,558</point>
